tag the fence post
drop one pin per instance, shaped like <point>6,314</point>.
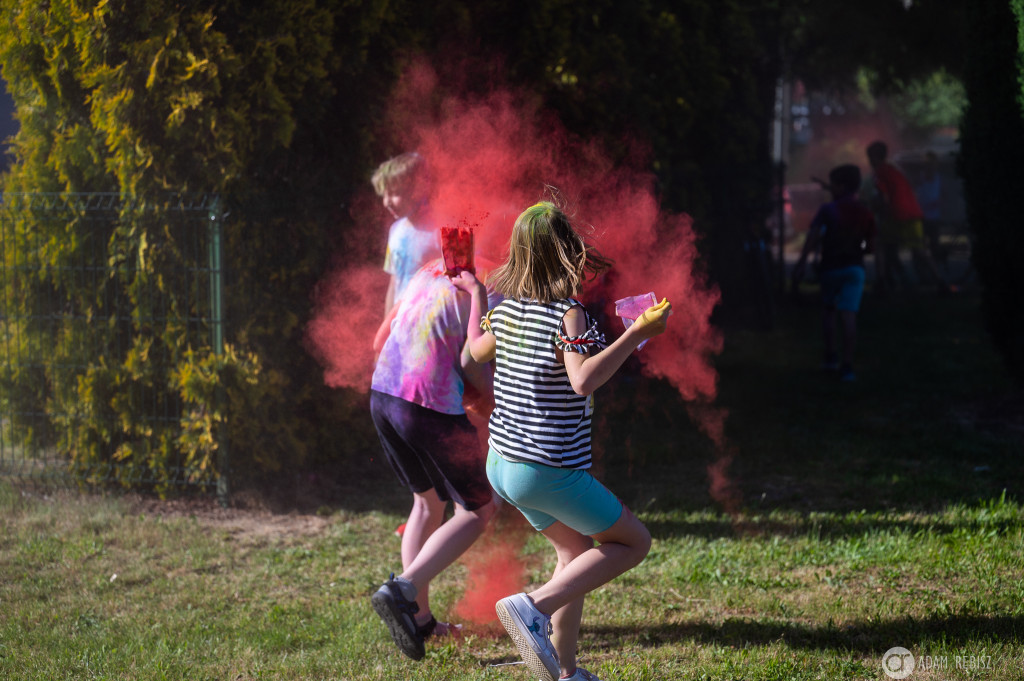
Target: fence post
<point>216,236</point>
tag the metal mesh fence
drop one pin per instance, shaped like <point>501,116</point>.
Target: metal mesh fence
<point>99,294</point>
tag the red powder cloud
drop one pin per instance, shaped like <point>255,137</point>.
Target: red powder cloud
<point>493,570</point>
<point>490,157</point>
<point>350,306</point>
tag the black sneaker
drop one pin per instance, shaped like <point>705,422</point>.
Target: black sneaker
<point>398,614</point>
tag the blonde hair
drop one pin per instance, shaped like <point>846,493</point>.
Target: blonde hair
<point>548,259</point>
<point>405,173</point>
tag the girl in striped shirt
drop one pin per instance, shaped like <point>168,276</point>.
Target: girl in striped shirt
<point>550,358</point>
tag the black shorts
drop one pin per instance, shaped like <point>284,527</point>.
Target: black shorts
<point>431,450</point>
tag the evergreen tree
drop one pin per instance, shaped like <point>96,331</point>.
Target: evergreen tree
<point>154,101</point>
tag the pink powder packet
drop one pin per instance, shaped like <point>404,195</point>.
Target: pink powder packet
<point>632,307</point>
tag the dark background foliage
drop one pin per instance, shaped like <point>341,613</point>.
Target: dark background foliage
<point>280,108</point>
<point>992,143</point>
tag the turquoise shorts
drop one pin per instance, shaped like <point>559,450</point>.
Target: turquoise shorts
<point>544,494</point>
<point>842,288</point>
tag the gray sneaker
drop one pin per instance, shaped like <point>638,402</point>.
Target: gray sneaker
<point>397,612</point>
<point>529,629</point>
<point>582,674</point>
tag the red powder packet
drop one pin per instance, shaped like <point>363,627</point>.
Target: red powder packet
<point>457,248</point>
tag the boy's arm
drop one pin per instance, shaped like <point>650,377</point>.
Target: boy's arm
<point>480,377</point>
<point>810,244</point>
<point>586,372</point>
<point>389,297</point>
<point>384,330</point>
<point>481,344</point>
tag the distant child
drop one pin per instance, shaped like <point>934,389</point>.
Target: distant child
<point>929,195</point>
<point>416,403</point>
<point>900,221</point>
<point>549,361</point>
<point>403,184</point>
<point>844,230</point>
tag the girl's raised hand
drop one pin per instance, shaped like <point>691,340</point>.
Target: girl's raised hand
<point>465,281</point>
<point>654,319</point>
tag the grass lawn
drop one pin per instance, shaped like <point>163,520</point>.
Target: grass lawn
<point>866,516</point>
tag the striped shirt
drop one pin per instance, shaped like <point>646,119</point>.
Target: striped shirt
<point>538,417</point>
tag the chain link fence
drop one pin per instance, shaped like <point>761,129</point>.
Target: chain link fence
<point>100,294</point>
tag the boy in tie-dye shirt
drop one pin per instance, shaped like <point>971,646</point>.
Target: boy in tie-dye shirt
<point>417,406</point>
<point>403,183</point>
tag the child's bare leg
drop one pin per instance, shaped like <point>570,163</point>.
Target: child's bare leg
<point>425,518</point>
<point>925,255</point>
<point>848,319</point>
<point>442,548</point>
<point>828,329</point>
<point>622,546</point>
<point>565,622</point>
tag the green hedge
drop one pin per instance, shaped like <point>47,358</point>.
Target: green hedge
<point>236,99</point>
<point>279,107</point>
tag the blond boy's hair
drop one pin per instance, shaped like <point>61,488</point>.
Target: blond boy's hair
<point>405,173</point>
<point>548,259</point>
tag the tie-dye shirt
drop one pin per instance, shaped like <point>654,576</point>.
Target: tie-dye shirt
<point>409,249</point>
<point>420,361</point>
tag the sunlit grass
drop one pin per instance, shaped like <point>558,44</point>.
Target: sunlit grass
<point>869,516</point>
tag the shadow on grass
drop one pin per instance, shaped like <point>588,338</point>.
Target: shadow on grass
<point>861,636</point>
<point>824,529</point>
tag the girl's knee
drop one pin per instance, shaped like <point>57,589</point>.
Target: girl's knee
<point>643,542</point>
<point>631,533</point>
<point>638,546</point>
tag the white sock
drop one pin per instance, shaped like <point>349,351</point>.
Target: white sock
<point>408,590</point>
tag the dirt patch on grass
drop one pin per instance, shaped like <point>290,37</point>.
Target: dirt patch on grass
<point>245,519</point>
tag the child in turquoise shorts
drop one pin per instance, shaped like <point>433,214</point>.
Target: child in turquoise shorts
<point>549,360</point>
